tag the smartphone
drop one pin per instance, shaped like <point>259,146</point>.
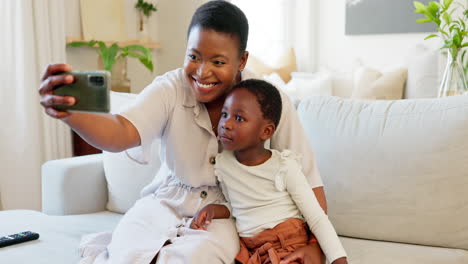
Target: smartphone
<point>91,90</point>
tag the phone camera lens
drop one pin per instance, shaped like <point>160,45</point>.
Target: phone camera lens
<point>96,80</point>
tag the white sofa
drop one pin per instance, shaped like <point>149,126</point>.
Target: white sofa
<point>395,175</point>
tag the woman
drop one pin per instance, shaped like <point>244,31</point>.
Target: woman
<point>182,108</point>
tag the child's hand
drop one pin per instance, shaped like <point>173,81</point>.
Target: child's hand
<point>203,218</point>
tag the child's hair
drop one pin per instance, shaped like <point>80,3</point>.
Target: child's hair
<point>268,97</point>
<point>222,16</point>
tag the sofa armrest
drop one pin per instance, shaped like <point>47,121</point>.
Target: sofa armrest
<point>74,186</point>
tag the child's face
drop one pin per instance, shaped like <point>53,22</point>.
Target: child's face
<point>242,126</point>
<point>212,64</point>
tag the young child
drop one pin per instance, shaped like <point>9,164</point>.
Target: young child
<point>266,190</point>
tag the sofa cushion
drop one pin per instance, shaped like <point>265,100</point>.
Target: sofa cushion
<point>425,68</point>
<point>125,177</point>
<point>393,170</point>
<point>305,84</point>
<point>285,65</point>
<point>374,85</point>
<point>59,236</point>
<point>361,251</point>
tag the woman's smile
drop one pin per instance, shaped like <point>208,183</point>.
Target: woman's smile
<point>205,87</point>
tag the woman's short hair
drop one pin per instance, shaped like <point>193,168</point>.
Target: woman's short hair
<point>222,16</point>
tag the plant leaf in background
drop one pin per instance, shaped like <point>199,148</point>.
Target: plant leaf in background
<point>452,31</point>
<point>143,54</point>
<point>145,7</point>
<point>109,55</point>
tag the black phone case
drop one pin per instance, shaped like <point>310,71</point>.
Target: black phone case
<point>91,95</point>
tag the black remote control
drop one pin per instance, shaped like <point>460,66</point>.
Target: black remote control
<point>18,238</point>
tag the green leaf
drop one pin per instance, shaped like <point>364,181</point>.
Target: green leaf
<point>433,7</point>
<point>108,54</point>
<point>419,6</point>
<point>457,41</point>
<point>142,54</point>
<point>464,45</point>
<point>145,7</point>
<point>82,43</point>
<point>147,62</point>
<point>447,3</point>
<point>447,18</point>
<point>443,32</point>
<point>423,20</point>
<point>145,51</point>
<point>463,24</point>
<point>431,36</point>
<point>447,43</point>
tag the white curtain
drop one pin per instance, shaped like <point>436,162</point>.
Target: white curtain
<point>277,25</point>
<point>33,35</point>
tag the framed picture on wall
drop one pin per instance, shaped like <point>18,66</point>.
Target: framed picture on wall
<point>102,20</point>
<point>383,17</point>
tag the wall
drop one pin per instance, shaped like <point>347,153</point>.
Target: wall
<point>337,51</point>
<point>167,26</point>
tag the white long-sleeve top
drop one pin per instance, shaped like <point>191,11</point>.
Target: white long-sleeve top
<point>262,196</point>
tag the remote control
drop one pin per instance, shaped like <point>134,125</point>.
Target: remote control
<point>18,238</point>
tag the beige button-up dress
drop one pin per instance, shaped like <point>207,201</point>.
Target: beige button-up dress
<point>168,110</point>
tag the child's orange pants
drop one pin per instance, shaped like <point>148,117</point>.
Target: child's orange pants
<point>272,245</point>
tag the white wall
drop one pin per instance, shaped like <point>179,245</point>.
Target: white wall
<point>338,52</point>
<point>168,26</point>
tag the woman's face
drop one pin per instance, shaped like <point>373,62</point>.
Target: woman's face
<point>212,64</point>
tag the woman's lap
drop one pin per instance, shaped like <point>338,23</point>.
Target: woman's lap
<point>219,244</point>
<point>152,221</point>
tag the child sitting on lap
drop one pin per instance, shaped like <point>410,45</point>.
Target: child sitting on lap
<point>267,192</point>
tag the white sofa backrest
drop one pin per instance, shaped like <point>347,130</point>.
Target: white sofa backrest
<point>393,170</point>
<point>125,177</point>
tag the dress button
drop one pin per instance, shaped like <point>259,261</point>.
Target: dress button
<point>203,194</point>
<point>213,160</point>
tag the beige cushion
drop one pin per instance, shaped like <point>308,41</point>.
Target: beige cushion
<point>125,177</point>
<point>393,170</point>
<point>425,68</point>
<point>307,84</point>
<point>284,67</point>
<point>372,84</point>
<point>362,251</point>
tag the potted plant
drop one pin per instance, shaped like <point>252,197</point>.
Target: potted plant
<point>453,32</point>
<point>145,10</point>
<point>113,59</point>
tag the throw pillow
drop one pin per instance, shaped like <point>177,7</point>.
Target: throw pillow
<point>342,77</point>
<point>424,72</point>
<point>275,79</point>
<point>284,67</point>
<point>305,84</point>
<point>372,84</point>
<point>125,177</point>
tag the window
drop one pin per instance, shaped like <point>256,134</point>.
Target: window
<point>269,21</point>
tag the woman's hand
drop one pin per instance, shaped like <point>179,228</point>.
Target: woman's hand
<point>49,82</point>
<point>310,254</point>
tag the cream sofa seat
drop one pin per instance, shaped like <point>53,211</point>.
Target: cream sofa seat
<point>59,235</point>
<point>395,175</point>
